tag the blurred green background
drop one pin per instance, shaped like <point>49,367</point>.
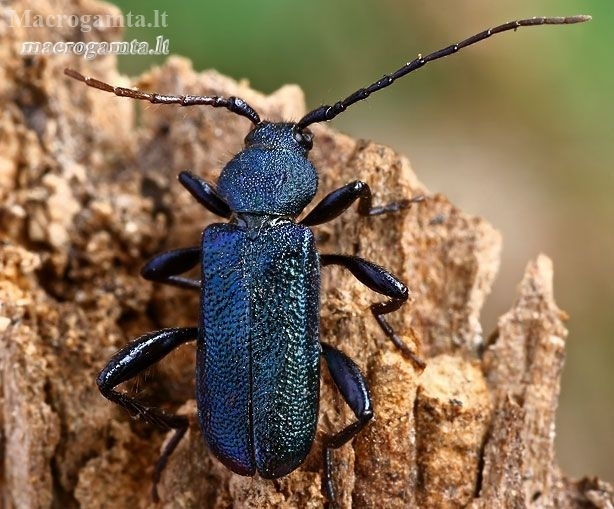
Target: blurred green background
<point>518,129</point>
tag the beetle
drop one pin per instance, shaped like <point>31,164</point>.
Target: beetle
<point>258,341</point>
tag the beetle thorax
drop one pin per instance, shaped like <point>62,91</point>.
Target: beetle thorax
<point>272,174</point>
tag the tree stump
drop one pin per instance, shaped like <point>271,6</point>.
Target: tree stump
<point>88,192</point>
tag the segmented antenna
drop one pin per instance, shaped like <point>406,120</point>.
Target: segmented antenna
<point>328,112</point>
<point>234,104</point>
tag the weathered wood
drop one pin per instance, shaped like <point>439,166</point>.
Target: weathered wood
<point>86,195</point>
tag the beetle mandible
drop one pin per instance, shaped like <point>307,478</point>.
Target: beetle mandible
<point>258,343</point>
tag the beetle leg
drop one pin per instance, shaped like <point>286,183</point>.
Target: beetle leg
<point>164,267</point>
<point>128,363</point>
<point>339,200</point>
<point>205,194</point>
<point>381,281</point>
<point>353,388</point>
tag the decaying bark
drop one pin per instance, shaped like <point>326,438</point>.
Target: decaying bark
<point>88,191</point>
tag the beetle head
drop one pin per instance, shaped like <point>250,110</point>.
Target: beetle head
<point>272,174</point>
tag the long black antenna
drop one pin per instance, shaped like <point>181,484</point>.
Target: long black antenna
<point>328,112</point>
<point>234,104</point>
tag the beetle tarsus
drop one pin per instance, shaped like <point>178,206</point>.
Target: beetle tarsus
<point>381,308</point>
<point>168,449</point>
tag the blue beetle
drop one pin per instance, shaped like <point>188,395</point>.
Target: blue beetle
<point>258,341</point>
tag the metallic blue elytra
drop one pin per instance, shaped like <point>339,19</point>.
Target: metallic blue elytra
<point>258,351</point>
<point>258,341</point>
<point>271,175</point>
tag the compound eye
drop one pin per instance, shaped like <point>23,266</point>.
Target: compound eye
<point>249,138</point>
<point>304,138</point>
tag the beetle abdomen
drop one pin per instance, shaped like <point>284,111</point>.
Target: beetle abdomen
<point>258,352</point>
